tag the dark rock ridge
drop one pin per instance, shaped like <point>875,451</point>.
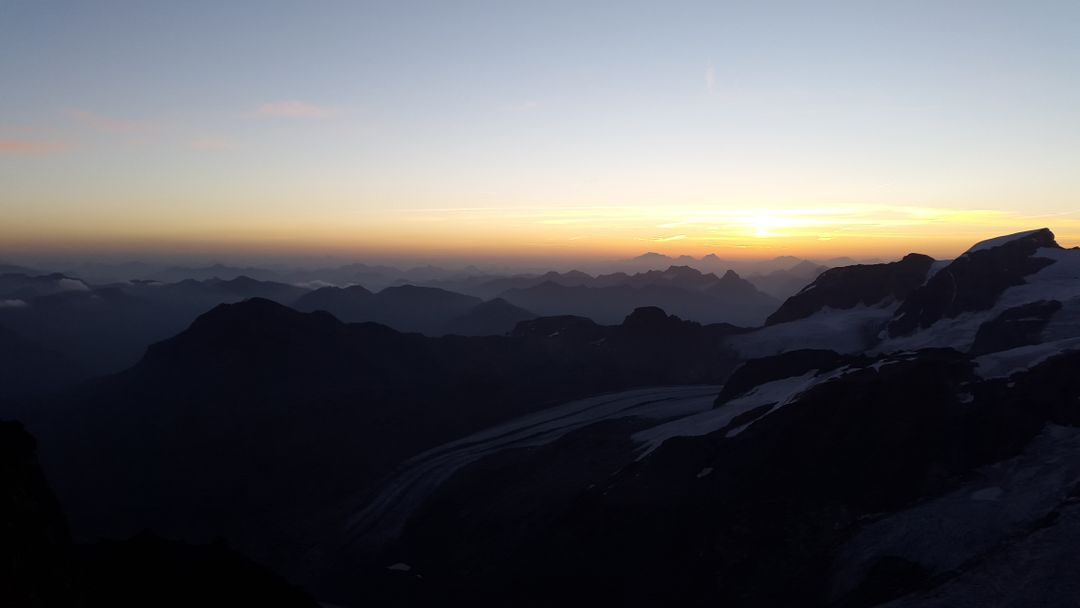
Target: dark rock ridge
<point>35,567</point>
<point>1014,327</point>
<point>40,568</point>
<point>973,281</point>
<point>850,286</point>
<point>260,418</point>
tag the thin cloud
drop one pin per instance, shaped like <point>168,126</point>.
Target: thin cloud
<point>664,239</point>
<point>109,124</point>
<point>30,147</point>
<point>293,109</point>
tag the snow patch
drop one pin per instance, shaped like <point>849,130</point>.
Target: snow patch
<point>777,393</point>
<point>704,472</point>
<point>1058,281</point>
<point>400,567</point>
<point>849,330</point>
<point>1002,501</point>
<point>1001,240</point>
<point>1008,362</point>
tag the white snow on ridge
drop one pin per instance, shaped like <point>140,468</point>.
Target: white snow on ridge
<point>778,392</point>
<point>1008,362</point>
<point>1058,281</point>
<point>1001,501</point>
<point>1001,240</point>
<point>842,330</point>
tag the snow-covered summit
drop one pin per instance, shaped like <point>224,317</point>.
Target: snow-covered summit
<point>1042,236</point>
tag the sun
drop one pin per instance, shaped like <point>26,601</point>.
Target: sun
<point>762,224</point>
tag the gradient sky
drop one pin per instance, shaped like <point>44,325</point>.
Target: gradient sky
<point>536,129</point>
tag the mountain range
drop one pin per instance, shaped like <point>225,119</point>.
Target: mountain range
<point>894,434</point>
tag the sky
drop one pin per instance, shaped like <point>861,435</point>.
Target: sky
<point>527,130</point>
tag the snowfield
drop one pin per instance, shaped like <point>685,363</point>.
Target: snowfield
<point>850,330</point>
<point>382,518</point>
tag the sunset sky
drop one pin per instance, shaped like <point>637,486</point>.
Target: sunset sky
<point>536,129</point>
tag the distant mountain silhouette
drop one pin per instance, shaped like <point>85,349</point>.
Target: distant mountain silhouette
<point>103,329</point>
<point>426,310</point>
<point>213,271</point>
<point>785,283</point>
<point>492,318</point>
<point>681,290</point>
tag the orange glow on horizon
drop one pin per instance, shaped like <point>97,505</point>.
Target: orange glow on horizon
<point>564,233</point>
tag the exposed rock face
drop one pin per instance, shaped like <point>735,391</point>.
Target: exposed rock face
<point>35,567</point>
<point>1015,327</point>
<point>973,281</point>
<point>850,286</point>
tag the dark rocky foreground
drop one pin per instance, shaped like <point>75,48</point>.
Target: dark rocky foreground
<point>40,567</point>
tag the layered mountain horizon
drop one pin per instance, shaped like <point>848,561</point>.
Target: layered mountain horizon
<point>892,434</point>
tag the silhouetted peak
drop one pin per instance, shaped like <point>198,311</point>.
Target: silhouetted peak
<point>682,270</point>
<point>731,275</point>
<point>1029,240</point>
<point>255,314</point>
<point>804,266</point>
<point>845,287</point>
<point>646,316</point>
<point>916,258</point>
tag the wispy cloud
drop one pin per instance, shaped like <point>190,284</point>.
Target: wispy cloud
<point>28,147</point>
<point>293,109</point>
<point>664,239</point>
<point>109,124</point>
